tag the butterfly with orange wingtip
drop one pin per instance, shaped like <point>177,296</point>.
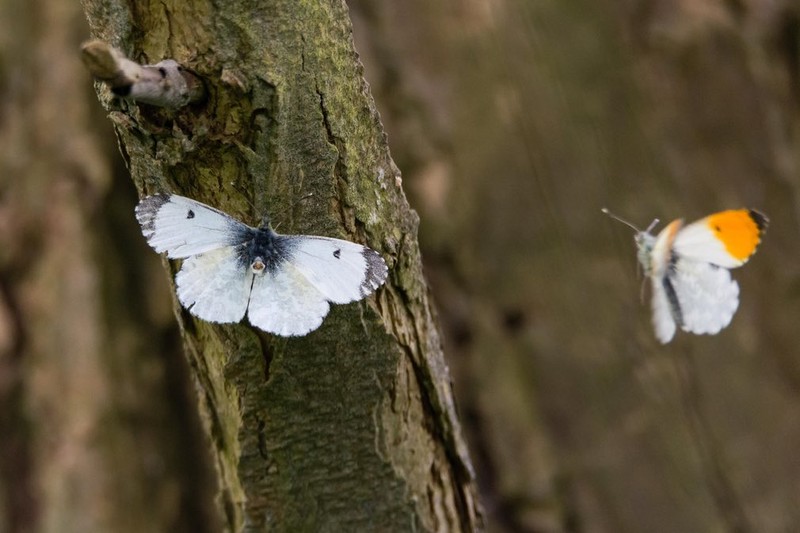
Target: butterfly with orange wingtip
<point>689,269</point>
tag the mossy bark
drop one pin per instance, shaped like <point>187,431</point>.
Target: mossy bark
<point>353,427</point>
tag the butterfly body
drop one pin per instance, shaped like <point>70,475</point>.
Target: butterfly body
<point>261,249</point>
<point>283,283</point>
<point>688,266</point>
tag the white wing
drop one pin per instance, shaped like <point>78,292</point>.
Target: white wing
<point>342,271</point>
<point>284,302</point>
<point>663,322</point>
<point>183,227</point>
<point>214,286</point>
<point>706,295</point>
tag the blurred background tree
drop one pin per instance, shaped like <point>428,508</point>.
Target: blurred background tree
<point>513,122</point>
<point>98,419</point>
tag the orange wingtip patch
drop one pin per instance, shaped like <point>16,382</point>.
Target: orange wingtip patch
<point>739,230</point>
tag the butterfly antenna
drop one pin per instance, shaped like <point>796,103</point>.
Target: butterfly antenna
<point>652,225</point>
<point>620,219</point>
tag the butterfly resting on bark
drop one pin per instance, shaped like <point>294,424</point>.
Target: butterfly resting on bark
<point>283,283</point>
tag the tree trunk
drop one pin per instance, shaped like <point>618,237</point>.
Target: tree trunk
<point>353,427</point>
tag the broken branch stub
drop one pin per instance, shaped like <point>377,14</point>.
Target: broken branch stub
<point>165,84</point>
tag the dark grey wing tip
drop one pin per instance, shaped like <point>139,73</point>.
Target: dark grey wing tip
<point>147,209</point>
<point>375,272</point>
<point>760,220</point>
<point>154,201</point>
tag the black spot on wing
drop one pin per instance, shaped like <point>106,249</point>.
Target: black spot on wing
<point>337,253</point>
<point>374,273</point>
<point>190,214</point>
<point>148,209</point>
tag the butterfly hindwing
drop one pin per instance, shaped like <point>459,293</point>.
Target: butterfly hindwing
<point>707,297</point>
<point>183,227</point>
<point>284,302</point>
<point>214,286</point>
<point>663,321</point>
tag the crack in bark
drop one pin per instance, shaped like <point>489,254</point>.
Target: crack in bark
<point>460,470</point>
<point>325,119</point>
<point>339,171</point>
<point>266,353</point>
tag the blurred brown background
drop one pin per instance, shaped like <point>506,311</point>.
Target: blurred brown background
<point>513,122</point>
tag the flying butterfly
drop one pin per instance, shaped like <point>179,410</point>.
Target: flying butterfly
<point>689,269</point>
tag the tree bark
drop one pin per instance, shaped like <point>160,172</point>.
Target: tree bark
<point>353,427</point>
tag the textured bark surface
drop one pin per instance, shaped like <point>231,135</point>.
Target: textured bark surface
<point>515,122</point>
<point>352,428</point>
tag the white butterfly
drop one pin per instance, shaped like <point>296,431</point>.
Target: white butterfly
<point>689,269</point>
<point>282,282</point>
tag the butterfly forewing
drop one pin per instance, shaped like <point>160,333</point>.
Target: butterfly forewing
<point>663,321</point>
<point>183,227</point>
<point>726,239</point>
<point>342,271</point>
